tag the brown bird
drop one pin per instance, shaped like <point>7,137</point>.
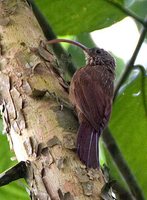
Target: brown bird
<point>91,92</point>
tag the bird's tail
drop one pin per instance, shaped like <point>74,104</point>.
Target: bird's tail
<point>87,145</point>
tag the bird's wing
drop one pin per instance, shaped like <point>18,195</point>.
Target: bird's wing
<point>91,99</point>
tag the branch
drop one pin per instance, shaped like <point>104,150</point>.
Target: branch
<point>14,173</point>
<point>39,130</point>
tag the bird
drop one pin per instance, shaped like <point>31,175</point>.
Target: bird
<point>91,93</point>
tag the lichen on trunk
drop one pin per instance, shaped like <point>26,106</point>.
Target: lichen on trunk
<point>37,115</point>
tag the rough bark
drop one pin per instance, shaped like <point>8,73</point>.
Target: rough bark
<point>39,122</point>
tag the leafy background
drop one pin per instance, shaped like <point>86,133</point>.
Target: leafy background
<point>128,122</point>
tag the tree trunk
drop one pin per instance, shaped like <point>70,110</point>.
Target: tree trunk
<point>38,118</point>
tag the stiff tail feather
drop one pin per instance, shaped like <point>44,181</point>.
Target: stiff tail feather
<point>87,145</point>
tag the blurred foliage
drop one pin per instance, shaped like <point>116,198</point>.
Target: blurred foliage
<point>129,125</point>
<point>128,122</point>
<point>68,17</point>
<point>137,6</point>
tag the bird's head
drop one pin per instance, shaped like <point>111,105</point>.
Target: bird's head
<point>96,56</point>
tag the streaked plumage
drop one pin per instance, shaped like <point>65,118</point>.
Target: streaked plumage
<point>91,92</point>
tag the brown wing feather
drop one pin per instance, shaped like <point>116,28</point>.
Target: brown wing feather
<point>89,97</point>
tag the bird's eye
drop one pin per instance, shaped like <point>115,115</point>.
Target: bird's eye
<point>98,51</point>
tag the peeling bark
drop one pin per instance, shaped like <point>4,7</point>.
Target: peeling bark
<point>36,111</point>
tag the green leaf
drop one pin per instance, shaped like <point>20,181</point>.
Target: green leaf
<point>13,191</point>
<point>74,17</point>
<point>129,127</point>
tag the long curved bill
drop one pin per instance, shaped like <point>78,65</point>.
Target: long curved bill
<point>68,41</point>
